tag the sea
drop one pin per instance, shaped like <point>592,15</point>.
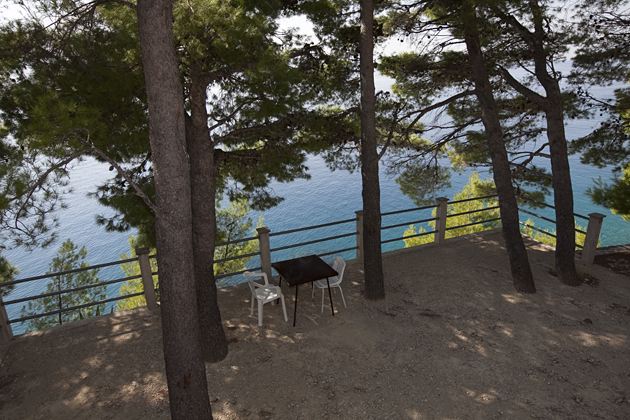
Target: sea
<point>326,196</point>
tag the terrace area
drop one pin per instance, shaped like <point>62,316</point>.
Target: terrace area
<point>451,340</point>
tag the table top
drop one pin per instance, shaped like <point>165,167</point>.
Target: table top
<point>304,269</point>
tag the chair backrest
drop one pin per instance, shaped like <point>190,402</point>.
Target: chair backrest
<point>253,275</point>
<point>339,265</point>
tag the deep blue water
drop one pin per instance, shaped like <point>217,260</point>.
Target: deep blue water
<point>325,197</point>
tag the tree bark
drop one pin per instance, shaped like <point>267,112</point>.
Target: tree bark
<point>508,206</point>
<point>185,369</point>
<point>372,259</point>
<point>203,189</point>
<point>561,173</point>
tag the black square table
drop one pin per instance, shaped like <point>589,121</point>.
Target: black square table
<point>305,270</point>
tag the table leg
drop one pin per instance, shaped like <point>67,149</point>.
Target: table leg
<point>295,304</point>
<point>330,296</point>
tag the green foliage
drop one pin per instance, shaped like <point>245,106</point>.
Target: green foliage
<point>476,187</point>
<point>136,285</point>
<point>233,223</point>
<point>69,257</point>
<point>615,196</point>
<point>420,183</point>
<point>76,87</point>
<point>528,226</point>
<point>31,186</point>
<point>602,59</point>
<point>7,274</point>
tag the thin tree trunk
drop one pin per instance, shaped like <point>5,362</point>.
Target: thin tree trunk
<point>508,207</point>
<point>561,173</point>
<point>372,259</point>
<point>203,189</point>
<point>185,369</point>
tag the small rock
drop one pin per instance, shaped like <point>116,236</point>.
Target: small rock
<point>587,321</point>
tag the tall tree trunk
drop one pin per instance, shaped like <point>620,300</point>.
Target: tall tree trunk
<point>372,259</point>
<point>203,189</point>
<point>561,174</point>
<point>185,369</point>
<point>508,207</point>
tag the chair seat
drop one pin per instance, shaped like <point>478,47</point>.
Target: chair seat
<point>268,293</point>
<point>321,284</point>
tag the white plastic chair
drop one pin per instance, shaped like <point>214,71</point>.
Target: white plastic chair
<point>339,265</point>
<point>263,293</point>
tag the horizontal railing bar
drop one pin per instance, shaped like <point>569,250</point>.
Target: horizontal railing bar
<point>314,241</point>
<point>74,289</point>
<point>63,273</point>
<point>581,216</point>
<point>473,223</point>
<point>538,229</point>
<point>407,237</point>
<point>580,231</point>
<point>409,223</point>
<point>338,251</point>
<point>220,276</point>
<point>531,213</point>
<point>389,213</point>
<point>542,203</point>
<point>286,232</point>
<point>472,211</point>
<point>483,197</point>
<point>237,257</point>
<point>237,241</point>
<point>74,308</point>
<point>152,256</point>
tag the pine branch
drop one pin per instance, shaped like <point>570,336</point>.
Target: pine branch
<point>127,177</point>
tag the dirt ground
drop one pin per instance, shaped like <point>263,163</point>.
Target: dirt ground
<point>452,340</point>
<point>615,258</point>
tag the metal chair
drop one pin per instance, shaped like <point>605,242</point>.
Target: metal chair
<point>340,267</point>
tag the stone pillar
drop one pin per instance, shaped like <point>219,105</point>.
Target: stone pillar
<point>440,223</point>
<point>265,250</point>
<point>595,221</point>
<point>147,278</point>
<point>5,328</point>
<point>359,215</point>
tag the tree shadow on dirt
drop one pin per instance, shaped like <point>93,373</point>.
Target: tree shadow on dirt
<point>452,339</point>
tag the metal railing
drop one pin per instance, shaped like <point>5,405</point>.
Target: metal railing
<point>591,238</point>
<point>439,221</point>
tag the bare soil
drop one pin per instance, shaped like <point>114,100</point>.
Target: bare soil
<point>452,340</point>
<point>616,259</point>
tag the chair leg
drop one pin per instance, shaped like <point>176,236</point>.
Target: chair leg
<point>322,300</point>
<point>284,309</point>
<point>260,313</point>
<point>251,309</point>
<point>342,298</point>
<point>312,290</point>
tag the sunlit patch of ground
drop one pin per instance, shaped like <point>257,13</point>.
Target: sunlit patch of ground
<point>452,340</point>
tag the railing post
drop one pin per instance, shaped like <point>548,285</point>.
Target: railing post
<point>593,229</point>
<point>5,328</point>
<point>147,278</point>
<point>359,215</point>
<point>265,250</point>
<point>440,223</point>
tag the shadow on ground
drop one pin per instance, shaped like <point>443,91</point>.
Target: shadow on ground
<point>452,340</point>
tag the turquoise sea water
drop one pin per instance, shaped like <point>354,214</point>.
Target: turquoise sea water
<point>325,197</point>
